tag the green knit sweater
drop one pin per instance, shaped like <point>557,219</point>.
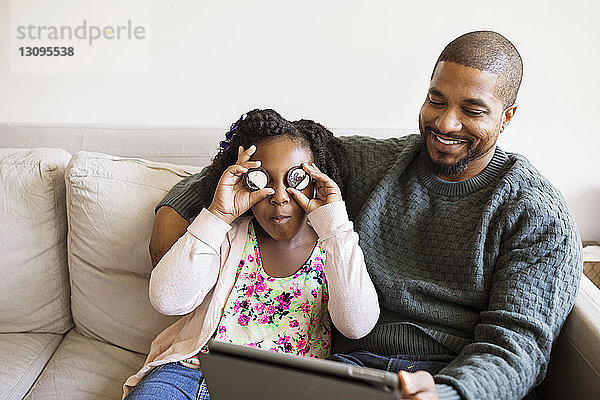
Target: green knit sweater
<point>484,270</point>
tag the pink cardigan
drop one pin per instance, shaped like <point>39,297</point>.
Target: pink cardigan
<point>196,275</point>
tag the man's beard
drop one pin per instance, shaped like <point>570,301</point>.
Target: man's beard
<point>441,168</point>
<point>457,168</point>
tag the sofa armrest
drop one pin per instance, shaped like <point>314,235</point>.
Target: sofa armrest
<point>574,370</point>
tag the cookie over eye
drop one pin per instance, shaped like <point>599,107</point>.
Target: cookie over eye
<point>297,178</point>
<point>256,178</point>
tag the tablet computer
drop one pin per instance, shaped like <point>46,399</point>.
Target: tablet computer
<point>236,372</point>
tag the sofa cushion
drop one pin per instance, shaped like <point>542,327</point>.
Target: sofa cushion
<point>24,355</point>
<point>33,228</point>
<point>85,369</point>
<point>110,207</point>
<point>574,370</point>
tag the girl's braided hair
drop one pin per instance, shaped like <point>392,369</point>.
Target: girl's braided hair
<point>257,125</point>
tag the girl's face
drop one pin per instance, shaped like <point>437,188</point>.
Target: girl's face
<point>279,215</point>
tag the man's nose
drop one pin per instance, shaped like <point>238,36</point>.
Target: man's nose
<point>281,196</point>
<point>448,121</point>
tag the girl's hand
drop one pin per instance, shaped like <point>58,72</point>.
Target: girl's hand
<point>326,190</point>
<point>232,198</point>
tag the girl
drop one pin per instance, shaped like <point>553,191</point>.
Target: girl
<point>271,262</point>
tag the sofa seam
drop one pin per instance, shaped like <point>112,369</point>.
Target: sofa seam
<point>122,180</point>
<point>68,238</point>
<point>66,305</point>
<point>31,163</point>
<point>34,362</point>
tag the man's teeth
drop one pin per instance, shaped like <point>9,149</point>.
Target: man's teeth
<point>444,141</point>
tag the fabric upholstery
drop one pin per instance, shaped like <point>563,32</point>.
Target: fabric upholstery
<point>85,369</point>
<point>34,288</point>
<point>110,207</point>
<point>22,358</point>
<point>574,370</point>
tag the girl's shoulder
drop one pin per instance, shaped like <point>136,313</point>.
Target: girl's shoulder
<point>238,232</point>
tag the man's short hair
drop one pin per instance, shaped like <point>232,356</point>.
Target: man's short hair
<point>488,51</point>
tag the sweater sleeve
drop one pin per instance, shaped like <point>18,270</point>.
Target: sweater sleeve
<point>532,291</point>
<point>353,303</point>
<point>190,195</point>
<point>189,270</point>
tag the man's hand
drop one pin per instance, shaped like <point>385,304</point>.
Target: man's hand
<point>417,385</point>
<point>168,227</point>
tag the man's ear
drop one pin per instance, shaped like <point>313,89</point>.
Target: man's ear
<point>508,114</point>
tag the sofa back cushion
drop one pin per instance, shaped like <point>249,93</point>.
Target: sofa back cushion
<point>34,284</point>
<point>110,210</point>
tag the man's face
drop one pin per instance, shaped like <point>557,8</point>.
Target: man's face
<point>461,119</point>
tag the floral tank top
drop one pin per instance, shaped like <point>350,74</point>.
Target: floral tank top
<point>287,315</point>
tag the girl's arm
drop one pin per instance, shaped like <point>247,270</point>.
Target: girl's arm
<point>189,270</point>
<point>353,303</point>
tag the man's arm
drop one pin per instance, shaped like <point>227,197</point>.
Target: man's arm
<point>369,160</point>
<point>533,289</point>
<point>168,227</point>
<point>175,212</point>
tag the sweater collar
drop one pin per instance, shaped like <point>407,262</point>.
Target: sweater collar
<point>483,179</point>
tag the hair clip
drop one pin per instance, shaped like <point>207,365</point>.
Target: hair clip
<point>224,144</point>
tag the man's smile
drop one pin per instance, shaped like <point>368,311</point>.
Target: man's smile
<point>447,140</point>
<point>446,144</point>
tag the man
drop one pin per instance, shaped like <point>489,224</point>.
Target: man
<point>475,255</point>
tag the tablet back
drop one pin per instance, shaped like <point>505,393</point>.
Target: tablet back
<point>238,372</point>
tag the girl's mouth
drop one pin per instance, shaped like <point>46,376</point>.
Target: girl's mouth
<point>280,219</point>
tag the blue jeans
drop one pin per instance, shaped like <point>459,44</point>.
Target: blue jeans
<point>363,358</point>
<point>171,381</point>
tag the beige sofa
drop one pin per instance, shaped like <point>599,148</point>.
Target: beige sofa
<point>75,319</point>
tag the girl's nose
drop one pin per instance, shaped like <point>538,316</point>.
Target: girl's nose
<point>281,195</point>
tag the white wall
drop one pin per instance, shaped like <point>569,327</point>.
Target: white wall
<point>346,64</point>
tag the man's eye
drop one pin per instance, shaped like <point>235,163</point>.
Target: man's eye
<point>435,103</point>
<point>473,113</point>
